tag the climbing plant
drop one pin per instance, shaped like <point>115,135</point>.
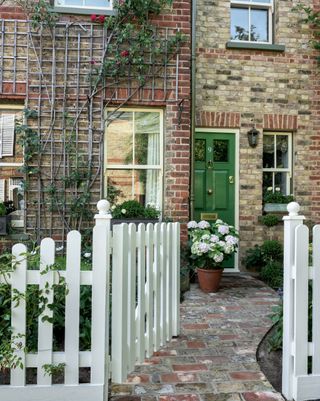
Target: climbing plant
<point>312,18</point>
<point>135,52</point>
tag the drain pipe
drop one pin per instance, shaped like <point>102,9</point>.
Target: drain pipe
<point>193,102</point>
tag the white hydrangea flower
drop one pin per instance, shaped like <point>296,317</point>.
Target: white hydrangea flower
<point>203,224</point>
<point>123,211</point>
<point>205,237</point>
<point>223,229</point>
<point>87,255</point>
<point>203,247</point>
<point>214,238</point>
<point>277,189</point>
<point>218,258</point>
<point>222,244</point>
<point>113,207</point>
<point>230,239</point>
<point>228,249</point>
<point>219,221</point>
<point>269,189</point>
<point>192,224</point>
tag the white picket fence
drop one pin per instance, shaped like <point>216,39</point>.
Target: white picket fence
<point>145,287</point>
<point>300,381</point>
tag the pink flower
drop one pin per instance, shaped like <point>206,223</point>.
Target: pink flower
<point>124,53</point>
<point>101,19</point>
<point>93,61</point>
<point>93,17</point>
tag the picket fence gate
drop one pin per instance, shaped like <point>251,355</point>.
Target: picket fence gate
<point>145,290</point>
<point>301,297</point>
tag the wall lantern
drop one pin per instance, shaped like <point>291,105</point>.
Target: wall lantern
<point>253,137</point>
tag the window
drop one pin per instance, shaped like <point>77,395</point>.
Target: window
<point>133,154</point>
<point>277,161</point>
<point>251,20</point>
<point>12,190</point>
<point>89,5</point>
<point>7,121</point>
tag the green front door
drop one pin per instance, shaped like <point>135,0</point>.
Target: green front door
<point>215,178</point>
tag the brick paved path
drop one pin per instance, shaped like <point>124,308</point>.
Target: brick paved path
<point>214,358</point>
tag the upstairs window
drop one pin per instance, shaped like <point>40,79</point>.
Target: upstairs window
<point>251,21</point>
<point>277,161</point>
<point>7,122</point>
<point>78,6</point>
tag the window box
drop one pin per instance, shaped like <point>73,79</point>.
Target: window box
<point>275,208</point>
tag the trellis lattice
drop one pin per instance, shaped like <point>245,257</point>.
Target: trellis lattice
<point>53,70</point>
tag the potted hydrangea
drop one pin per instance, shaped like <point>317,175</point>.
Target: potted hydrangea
<point>276,201</point>
<point>210,245</point>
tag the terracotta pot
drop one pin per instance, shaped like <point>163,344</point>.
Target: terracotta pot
<point>209,280</point>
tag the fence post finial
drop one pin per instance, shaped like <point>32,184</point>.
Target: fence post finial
<point>291,222</point>
<point>104,215</point>
<point>293,208</point>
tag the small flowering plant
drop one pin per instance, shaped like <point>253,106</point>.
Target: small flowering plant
<point>211,243</point>
<point>276,196</point>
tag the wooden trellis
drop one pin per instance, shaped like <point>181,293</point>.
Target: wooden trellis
<point>51,71</point>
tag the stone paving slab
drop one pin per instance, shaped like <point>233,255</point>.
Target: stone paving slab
<point>214,358</point>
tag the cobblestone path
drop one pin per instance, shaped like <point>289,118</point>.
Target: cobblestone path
<point>214,358</point>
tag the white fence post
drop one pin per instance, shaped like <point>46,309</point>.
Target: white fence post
<point>100,296</point>
<point>18,311</point>
<point>120,357</point>
<point>176,279</point>
<point>290,224</point>
<point>72,315</point>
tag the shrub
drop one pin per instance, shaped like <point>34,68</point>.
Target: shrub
<point>132,209</point>
<point>271,250</point>
<point>270,220</point>
<point>272,274</point>
<point>253,257</point>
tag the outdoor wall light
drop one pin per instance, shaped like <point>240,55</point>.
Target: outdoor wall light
<point>253,137</point>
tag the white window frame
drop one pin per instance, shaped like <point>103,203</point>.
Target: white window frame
<point>16,110</point>
<point>134,166</point>
<point>254,5</point>
<point>280,170</point>
<point>60,6</point>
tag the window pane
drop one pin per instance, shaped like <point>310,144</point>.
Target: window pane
<point>239,23</point>
<point>120,139</point>
<point>97,3</point>
<point>147,139</point>
<point>267,181</point>
<point>281,182</point>
<point>78,3</point>
<point>200,150</point>
<point>282,151</point>
<point>268,151</point>
<point>262,1</point>
<point>147,187</point>
<point>220,150</point>
<point>259,26</point>
<point>120,183</point>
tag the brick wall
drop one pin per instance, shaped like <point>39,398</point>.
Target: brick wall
<point>273,91</point>
<point>39,88</point>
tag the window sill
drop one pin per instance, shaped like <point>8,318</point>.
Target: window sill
<point>255,46</point>
<point>82,11</point>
